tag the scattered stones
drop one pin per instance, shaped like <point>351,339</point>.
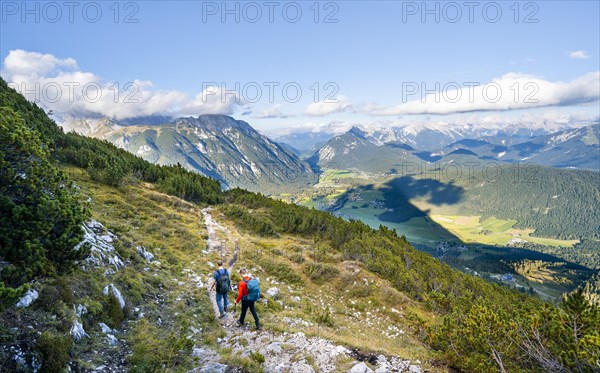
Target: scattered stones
<point>111,340</point>
<point>214,368</point>
<point>274,348</point>
<point>273,292</point>
<point>414,369</point>
<point>296,322</point>
<point>247,352</point>
<point>360,368</point>
<point>211,226</point>
<point>145,253</point>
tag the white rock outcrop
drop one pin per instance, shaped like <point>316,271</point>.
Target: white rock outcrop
<point>28,298</point>
<point>77,331</point>
<point>112,289</point>
<point>102,253</point>
<point>111,340</point>
<point>105,328</point>
<point>145,253</point>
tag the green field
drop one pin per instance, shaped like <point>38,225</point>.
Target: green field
<point>493,231</point>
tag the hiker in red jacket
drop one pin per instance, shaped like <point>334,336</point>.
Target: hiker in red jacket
<point>248,294</point>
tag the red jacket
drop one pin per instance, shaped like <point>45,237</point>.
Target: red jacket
<point>242,289</point>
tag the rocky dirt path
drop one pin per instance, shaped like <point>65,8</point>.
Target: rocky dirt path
<point>282,352</point>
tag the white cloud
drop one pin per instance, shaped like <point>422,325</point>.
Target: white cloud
<point>580,55</point>
<point>509,92</point>
<point>549,120</point>
<point>58,84</point>
<point>23,63</point>
<point>272,112</point>
<point>332,127</point>
<point>326,107</point>
<point>212,100</point>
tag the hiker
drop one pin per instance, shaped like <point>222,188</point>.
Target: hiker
<point>248,294</point>
<point>223,285</point>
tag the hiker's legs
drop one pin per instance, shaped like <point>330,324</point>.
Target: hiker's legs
<point>219,298</point>
<point>254,314</point>
<point>245,304</point>
<point>225,302</point>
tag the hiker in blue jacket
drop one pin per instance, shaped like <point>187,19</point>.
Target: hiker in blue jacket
<point>248,294</point>
<point>223,284</point>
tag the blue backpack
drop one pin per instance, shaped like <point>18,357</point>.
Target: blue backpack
<point>253,290</point>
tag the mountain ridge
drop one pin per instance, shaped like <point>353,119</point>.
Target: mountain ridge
<point>219,146</point>
<point>572,148</point>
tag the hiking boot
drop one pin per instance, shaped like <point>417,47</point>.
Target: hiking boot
<point>258,328</point>
<point>240,324</point>
<point>222,314</point>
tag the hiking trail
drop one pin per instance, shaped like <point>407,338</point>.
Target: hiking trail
<point>283,352</point>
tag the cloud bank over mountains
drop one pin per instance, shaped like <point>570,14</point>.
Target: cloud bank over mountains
<point>509,92</point>
<point>60,85</point>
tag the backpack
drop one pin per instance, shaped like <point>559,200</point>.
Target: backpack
<point>253,290</point>
<point>223,282</point>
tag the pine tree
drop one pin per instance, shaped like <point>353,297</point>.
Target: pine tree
<point>40,217</point>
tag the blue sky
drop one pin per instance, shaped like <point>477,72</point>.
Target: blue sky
<point>373,51</point>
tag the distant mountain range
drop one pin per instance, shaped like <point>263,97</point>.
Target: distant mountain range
<point>384,151</point>
<point>574,148</point>
<point>433,136</point>
<point>218,146</point>
<point>234,153</point>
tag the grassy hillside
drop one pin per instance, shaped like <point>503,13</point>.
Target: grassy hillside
<point>158,290</point>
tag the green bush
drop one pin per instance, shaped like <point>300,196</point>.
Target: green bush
<point>321,253</point>
<point>250,221</point>
<point>155,350</point>
<point>281,271</point>
<point>324,318</point>
<point>40,216</point>
<point>296,258</point>
<point>356,286</point>
<point>114,312</point>
<point>54,291</point>
<point>320,272</point>
<point>257,357</point>
<point>54,349</point>
<point>9,295</point>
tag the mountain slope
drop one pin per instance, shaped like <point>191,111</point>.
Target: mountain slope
<point>357,150</point>
<point>573,148</point>
<point>218,146</point>
<point>304,142</point>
